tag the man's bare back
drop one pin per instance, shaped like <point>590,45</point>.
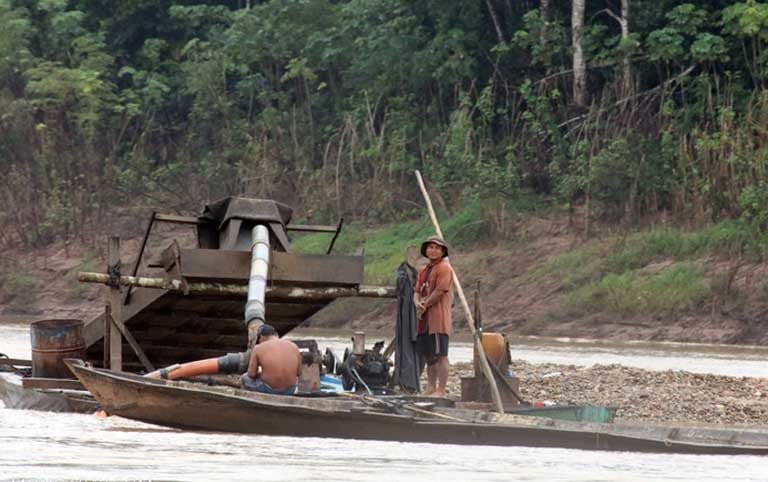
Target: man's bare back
<point>277,362</point>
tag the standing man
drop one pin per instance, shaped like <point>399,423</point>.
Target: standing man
<point>433,296</point>
<point>274,366</point>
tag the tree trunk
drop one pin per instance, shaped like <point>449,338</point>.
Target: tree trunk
<point>579,64</point>
<point>626,71</point>
<point>544,11</point>
<point>495,19</point>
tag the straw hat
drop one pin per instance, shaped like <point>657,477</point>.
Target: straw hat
<point>436,240</point>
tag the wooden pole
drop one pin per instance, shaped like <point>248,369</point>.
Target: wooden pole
<point>467,311</point>
<point>115,306</point>
<point>137,264</point>
<point>107,331</point>
<point>478,310</point>
<point>134,345</point>
<point>203,288</point>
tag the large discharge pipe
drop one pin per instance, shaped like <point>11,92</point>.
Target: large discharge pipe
<point>228,364</point>
<point>257,283</point>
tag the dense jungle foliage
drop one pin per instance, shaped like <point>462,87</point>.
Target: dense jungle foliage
<point>627,108</point>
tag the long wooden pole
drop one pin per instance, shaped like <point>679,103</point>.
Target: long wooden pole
<point>470,319</point>
<point>115,306</point>
<point>203,288</point>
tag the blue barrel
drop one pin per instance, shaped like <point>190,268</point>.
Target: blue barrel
<point>52,342</point>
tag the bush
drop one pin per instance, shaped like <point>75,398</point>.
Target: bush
<point>673,290</point>
<point>17,289</point>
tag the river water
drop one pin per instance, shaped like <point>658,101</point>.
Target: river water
<point>47,446</point>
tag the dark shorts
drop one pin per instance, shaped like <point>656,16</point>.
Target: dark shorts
<point>433,344</point>
<point>259,385</point>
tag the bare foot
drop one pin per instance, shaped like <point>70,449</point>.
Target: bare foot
<point>429,393</point>
<point>440,394</point>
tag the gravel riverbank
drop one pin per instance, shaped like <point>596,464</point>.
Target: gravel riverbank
<point>641,395</point>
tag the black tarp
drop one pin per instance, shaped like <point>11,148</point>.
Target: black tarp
<point>407,364</point>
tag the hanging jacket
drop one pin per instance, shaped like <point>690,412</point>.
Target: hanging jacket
<point>407,363</point>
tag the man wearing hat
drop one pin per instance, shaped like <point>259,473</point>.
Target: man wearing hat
<point>433,296</point>
<point>274,366</point>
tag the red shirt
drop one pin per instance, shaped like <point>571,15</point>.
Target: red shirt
<point>437,277</point>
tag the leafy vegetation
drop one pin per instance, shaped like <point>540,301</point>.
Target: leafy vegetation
<point>330,106</point>
<point>385,247</point>
<point>671,291</point>
<point>657,271</point>
<point>18,289</point>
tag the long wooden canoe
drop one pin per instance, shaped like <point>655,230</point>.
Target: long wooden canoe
<point>215,408</point>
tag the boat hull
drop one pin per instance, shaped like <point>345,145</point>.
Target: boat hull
<point>184,406</point>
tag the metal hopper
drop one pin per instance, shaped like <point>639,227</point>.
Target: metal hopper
<point>190,304</point>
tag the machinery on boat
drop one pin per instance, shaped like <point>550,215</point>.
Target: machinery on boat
<point>203,295</point>
<point>192,303</point>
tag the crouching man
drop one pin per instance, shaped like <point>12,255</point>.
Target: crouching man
<point>274,365</point>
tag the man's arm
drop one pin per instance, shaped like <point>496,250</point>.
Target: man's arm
<point>253,363</point>
<point>443,284</point>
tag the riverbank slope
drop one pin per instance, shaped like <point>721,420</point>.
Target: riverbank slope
<point>544,279</point>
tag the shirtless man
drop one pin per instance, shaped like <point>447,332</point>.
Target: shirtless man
<point>274,366</point>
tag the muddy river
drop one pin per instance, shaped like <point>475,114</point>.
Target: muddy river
<point>46,446</point>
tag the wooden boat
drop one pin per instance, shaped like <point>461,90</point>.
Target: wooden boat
<point>215,408</point>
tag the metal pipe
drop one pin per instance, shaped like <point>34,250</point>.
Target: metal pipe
<point>227,364</point>
<point>229,289</point>
<point>255,313</point>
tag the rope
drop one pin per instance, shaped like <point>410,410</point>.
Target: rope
<point>397,408</point>
<point>360,379</point>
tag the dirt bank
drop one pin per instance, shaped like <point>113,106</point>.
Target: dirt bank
<point>512,300</point>
<point>518,300</point>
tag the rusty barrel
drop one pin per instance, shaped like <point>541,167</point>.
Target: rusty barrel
<point>52,342</point>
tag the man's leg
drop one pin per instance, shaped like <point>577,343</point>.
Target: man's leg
<point>441,371</point>
<point>431,378</point>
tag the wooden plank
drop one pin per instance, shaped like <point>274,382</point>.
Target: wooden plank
<point>106,331</point>
<point>141,298</point>
<point>311,228</point>
<point>180,354</point>
<point>93,330</point>
<point>172,218</point>
<point>228,236</point>
<point>169,336</point>
<point>16,362</point>
<point>284,268</point>
<point>335,236</point>
<point>232,290</point>
<point>133,344</point>
<point>137,263</point>
<point>176,318</point>
<point>191,322</point>
<point>115,307</point>
<point>51,383</point>
<point>324,269</point>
